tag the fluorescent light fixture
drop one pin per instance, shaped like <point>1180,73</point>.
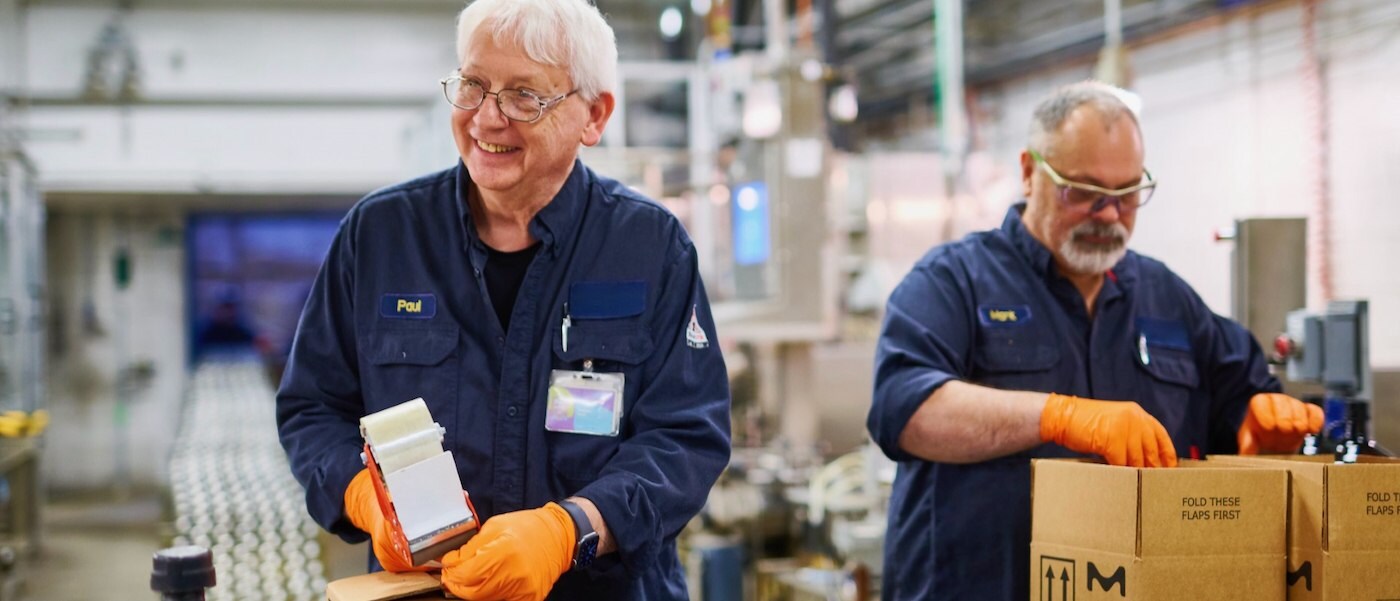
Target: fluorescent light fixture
<point>842,105</point>
<point>763,109</point>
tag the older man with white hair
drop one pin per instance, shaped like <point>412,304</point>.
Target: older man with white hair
<point>996,347</point>
<point>552,319</point>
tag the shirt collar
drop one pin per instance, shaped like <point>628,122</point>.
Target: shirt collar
<point>1035,253</point>
<point>553,225</point>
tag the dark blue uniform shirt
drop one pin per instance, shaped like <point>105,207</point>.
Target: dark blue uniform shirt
<point>991,309</point>
<point>632,268</point>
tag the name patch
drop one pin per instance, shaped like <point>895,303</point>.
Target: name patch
<point>1001,316</point>
<point>408,306</point>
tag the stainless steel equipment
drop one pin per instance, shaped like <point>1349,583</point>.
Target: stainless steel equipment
<point>1332,348</point>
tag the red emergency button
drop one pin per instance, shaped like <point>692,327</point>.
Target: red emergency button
<point>1283,345</point>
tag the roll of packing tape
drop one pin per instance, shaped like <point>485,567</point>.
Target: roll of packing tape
<point>402,435</point>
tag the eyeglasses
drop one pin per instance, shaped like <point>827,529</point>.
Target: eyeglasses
<point>516,105</point>
<point>1091,198</point>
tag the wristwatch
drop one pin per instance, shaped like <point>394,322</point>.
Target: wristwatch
<point>585,539</point>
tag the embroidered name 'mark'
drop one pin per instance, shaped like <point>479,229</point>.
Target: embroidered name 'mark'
<point>1003,315</point>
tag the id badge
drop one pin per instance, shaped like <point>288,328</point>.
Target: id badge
<point>584,402</point>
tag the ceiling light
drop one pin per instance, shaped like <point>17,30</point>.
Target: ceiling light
<point>843,106</point>
<point>763,109</point>
<point>671,22</point>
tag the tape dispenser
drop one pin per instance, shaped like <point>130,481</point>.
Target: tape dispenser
<point>416,482</point>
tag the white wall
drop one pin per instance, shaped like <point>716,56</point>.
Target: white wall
<point>1226,134</point>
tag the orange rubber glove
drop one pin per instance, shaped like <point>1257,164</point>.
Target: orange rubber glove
<point>516,556</point>
<point>362,507</point>
<point>1123,433</point>
<point>1276,423</point>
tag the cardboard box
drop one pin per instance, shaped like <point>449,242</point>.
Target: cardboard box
<point>384,586</point>
<point>1344,526</point>
<point>1200,531</point>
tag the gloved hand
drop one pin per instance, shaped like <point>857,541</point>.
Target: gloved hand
<point>1276,423</point>
<point>1122,432</point>
<point>516,556</point>
<point>362,507</point>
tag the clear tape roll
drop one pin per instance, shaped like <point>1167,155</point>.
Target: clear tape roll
<point>402,435</point>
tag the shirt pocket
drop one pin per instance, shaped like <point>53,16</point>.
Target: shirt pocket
<point>1171,366</point>
<point>1014,359</point>
<point>1172,384</point>
<point>616,342</point>
<point>405,364</point>
<point>614,346</point>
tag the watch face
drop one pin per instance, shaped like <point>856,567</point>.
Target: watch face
<point>586,550</point>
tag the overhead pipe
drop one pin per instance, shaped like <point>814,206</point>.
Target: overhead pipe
<point>952,115</point>
<point>1319,268</point>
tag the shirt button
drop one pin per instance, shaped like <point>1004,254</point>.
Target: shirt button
<point>478,272</point>
<point>500,340</point>
<point>512,411</point>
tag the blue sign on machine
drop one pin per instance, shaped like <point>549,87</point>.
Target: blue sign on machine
<point>751,236</point>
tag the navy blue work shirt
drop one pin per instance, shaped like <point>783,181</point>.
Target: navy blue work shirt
<point>992,309</point>
<point>400,310</point>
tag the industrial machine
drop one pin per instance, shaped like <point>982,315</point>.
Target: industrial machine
<point>1331,348</point>
<point>416,482</point>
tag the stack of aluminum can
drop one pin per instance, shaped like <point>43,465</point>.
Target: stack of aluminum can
<point>234,494</point>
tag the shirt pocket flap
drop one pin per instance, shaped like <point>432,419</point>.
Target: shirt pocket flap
<point>621,342</point>
<point>607,300</point>
<point>1172,367</point>
<point>411,347</point>
<point>1002,357</point>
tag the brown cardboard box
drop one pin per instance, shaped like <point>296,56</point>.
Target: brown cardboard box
<point>1344,527</point>
<point>384,586</point>
<point>1196,532</point>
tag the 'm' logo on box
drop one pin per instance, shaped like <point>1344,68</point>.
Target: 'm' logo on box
<point>1119,579</point>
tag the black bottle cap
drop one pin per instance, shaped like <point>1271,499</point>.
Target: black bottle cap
<point>182,570</point>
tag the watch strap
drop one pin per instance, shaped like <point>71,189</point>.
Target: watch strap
<point>585,539</point>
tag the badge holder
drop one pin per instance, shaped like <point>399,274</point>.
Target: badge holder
<point>584,402</point>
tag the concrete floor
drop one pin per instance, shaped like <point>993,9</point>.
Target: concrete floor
<point>95,548</point>
<point>101,548</point>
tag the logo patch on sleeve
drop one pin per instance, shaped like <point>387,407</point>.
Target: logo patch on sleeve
<point>1003,316</point>
<point>694,334</point>
<point>408,306</point>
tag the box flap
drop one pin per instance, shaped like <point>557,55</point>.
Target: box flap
<point>1202,509</point>
<point>1339,507</point>
<point>1307,507</point>
<point>1083,504</point>
<point>1363,507</point>
<point>385,586</point>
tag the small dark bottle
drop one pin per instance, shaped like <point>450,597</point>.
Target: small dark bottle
<point>182,573</point>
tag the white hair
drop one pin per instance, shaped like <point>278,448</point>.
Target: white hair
<point>571,34</point>
<point>1051,113</point>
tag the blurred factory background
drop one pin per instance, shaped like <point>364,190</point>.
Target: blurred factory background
<point>172,171</point>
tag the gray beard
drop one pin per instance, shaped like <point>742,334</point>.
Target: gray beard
<point>1084,258</point>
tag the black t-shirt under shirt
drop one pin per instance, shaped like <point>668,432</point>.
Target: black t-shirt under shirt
<point>504,274</point>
